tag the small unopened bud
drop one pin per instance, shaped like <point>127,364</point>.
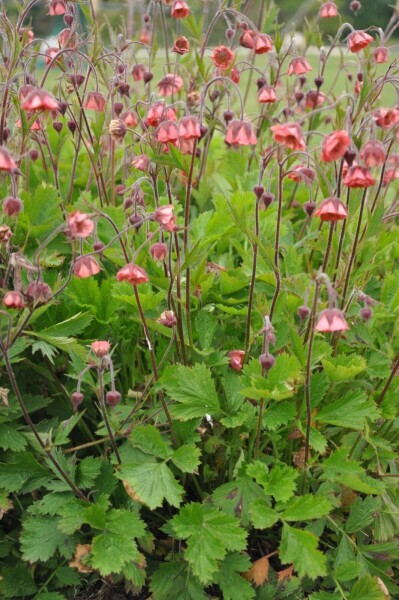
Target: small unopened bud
<point>265,200</point>
<point>318,81</point>
<point>6,134</point>
<point>267,361</point>
<point>360,76</point>
<point>203,130</point>
<point>258,190</point>
<point>118,108</point>
<point>58,126</point>
<point>146,18</point>
<point>355,6</point>
<point>228,116</point>
<point>309,207</point>
<point>98,246</point>
<point>349,157</point>
<point>12,206</point>
<point>34,154</point>
<point>147,76</point>
<point>135,220</point>
<point>214,95</point>
<point>77,399</point>
<point>303,312</point>
<point>366,313</point>
<point>302,80</point>
<point>229,33</point>
<point>62,107</point>
<point>120,189</point>
<point>71,126</point>
<point>113,398</point>
<point>68,20</point>
<point>299,96</point>
<point>260,82</point>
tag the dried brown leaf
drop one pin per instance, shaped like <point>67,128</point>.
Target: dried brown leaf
<point>259,572</point>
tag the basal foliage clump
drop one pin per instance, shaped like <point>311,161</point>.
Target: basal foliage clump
<point>199,284</point>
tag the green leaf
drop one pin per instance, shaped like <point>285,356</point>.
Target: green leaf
<point>42,212</point>
<point>174,579</point>
<point>40,539</point>
<point>362,514</point>
<point>17,581</point>
<point>348,571</point>
<point>262,515</point>
<point>66,427</point>
<point>235,498</point>
<point>87,471</point>
<point>187,458</point>
<point>280,482</point>
<point>344,367</point>
<point>152,482</point>
<point>366,588</point>
<point>115,547</point>
<point>350,411</point>
<point>307,507</point>
<point>230,580</point>
<point>300,548</point>
<point>193,388</point>
<point>206,324</point>
<point>149,440</point>
<point>279,414</point>
<point>280,383</point>
<point>70,327</point>
<point>10,438</point>
<point>23,473</point>
<point>209,534</point>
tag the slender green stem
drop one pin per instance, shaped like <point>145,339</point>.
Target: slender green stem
<point>105,415</point>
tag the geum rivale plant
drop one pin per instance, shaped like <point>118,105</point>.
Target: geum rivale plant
<point>199,287</point>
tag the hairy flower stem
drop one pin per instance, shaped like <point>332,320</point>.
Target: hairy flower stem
<point>179,301</point>
<point>105,415</point>
<point>152,354</point>
<point>253,278</point>
<point>32,426</point>
<point>307,386</point>
<point>394,369</point>
<point>277,240</point>
<point>186,240</point>
<point>354,249</point>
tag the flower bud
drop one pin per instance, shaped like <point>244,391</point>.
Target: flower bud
<point>159,251</point>
<point>259,190</point>
<point>71,126</point>
<point>355,6</point>
<point>12,206</point>
<point>267,361</point>
<point>77,399</point>
<point>98,246</point>
<point>366,313</point>
<point>265,200</point>
<point>147,76</point>
<point>229,33</point>
<point>118,108</point>
<point>303,312</point>
<point>34,154</point>
<point>58,126</point>
<point>309,207</point>
<point>38,292</point>
<point>113,398</point>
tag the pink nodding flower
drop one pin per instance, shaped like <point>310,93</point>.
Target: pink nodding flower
<point>138,72</point>
<point>290,135</point>
<point>100,348</point>
<point>314,98</point>
<point>7,163</point>
<point>262,43</point>
<point>38,100</point>
<point>129,118</point>
<point>49,54</point>
<point>299,66</point>
<point>186,146</point>
<point>330,320</point>
<point>170,84</point>
<point>373,154</point>
<point>359,177</point>
<point>141,162</point>
<point>145,37</point>
<point>381,55</point>
<point>165,217</point>
<point>14,300</point>
<point>168,132</point>
<point>240,133</point>
<point>181,45</point>
<point>132,274</point>
<point>64,37</point>
<point>386,117</point>
<point>222,57</point>
<point>359,40</point>
<point>335,145</point>
<point>189,128</point>
<point>159,251</point>
<point>179,10</point>
<point>247,38</point>
<point>57,8</point>
<point>301,173</point>
<point>167,318</point>
<point>24,91</point>
<point>328,10</point>
<point>85,266</point>
<point>159,112</point>
<point>236,359</point>
<point>235,75</point>
<point>95,101</point>
<point>331,209</point>
<point>79,225</point>
<point>267,95</point>
<point>390,175</point>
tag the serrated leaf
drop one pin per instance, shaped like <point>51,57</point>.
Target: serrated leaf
<point>10,438</point>
<point>300,548</point>
<point>175,580</point>
<point>236,497</point>
<point>344,367</point>
<point>279,482</point>
<point>40,539</point>
<point>193,388</point>
<point>366,588</point>
<point>87,471</point>
<point>152,482</point>
<point>205,324</point>
<point>17,581</point>
<point>149,440</point>
<point>362,514</point>
<point>23,473</point>
<point>209,534</point>
<point>187,458</point>
<point>348,571</point>
<point>350,411</point>
<point>307,507</point>
<point>230,580</point>
<point>262,515</point>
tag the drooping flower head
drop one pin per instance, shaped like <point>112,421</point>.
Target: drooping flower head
<point>100,348</point>
<point>240,133</point>
<point>179,10</point>
<point>39,100</point>
<point>7,163</point>
<point>132,274</point>
<point>159,251</point>
<point>222,57</point>
<point>159,112</point>
<point>14,300</point>
<point>85,266</point>
<point>95,101</point>
<point>359,177</point>
<point>189,128</point>
<point>79,225</point>
<point>57,8</point>
<point>168,132</point>
<point>331,209</point>
<point>335,145</point>
<point>328,10</point>
<point>168,319</point>
<point>170,84</point>
<point>381,55</point>
<point>164,215</point>
<point>290,135</point>
<point>267,95</point>
<point>373,154</point>
<point>236,359</point>
<point>358,40</point>
<point>331,320</point>
<point>181,45</point>
<point>262,43</point>
<point>299,66</point>
<point>386,117</point>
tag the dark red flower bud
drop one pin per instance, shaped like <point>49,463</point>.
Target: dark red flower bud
<point>229,33</point>
<point>98,246</point>
<point>76,79</point>
<point>71,126</point>
<point>214,95</point>
<point>204,130</point>
<point>68,20</point>
<point>134,219</point>
<point>62,107</point>
<point>302,80</point>
<point>366,313</point>
<point>12,206</point>
<point>309,207</point>
<point>258,190</point>
<point>267,361</point>
<point>299,96</point>
<point>349,157</point>
<point>265,200</point>
<point>58,126</point>
<point>228,115</point>
<point>113,398</point>
<point>355,6</point>
<point>303,312</point>
<point>38,292</point>
<point>260,82</point>
<point>118,108</point>
<point>146,18</point>
<point>6,134</point>
<point>360,76</point>
<point>147,76</point>
<point>120,189</point>
<point>34,154</point>
<point>77,399</point>
<point>318,81</point>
